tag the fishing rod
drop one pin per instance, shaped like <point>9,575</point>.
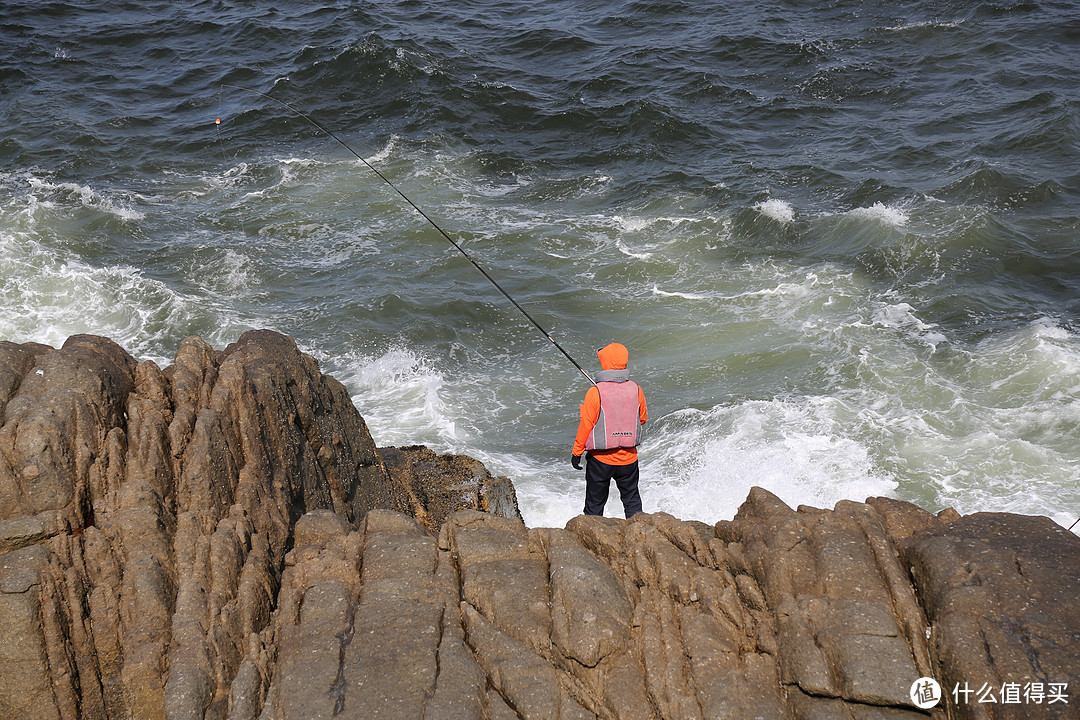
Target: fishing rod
<point>423,215</point>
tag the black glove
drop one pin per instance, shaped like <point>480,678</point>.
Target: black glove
<point>575,460</point>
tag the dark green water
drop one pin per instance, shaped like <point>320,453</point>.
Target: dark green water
<point>840,239</point>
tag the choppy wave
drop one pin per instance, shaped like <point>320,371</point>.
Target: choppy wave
<point>703,463</point>
<point>400,397</point>
<point>886,214</point>
<point>776,209</point>
<point>47,298</point>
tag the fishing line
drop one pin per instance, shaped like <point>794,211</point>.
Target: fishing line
<point>225,160</point>
<point>425,216</point>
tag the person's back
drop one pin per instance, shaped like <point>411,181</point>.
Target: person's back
<point>611,415</point>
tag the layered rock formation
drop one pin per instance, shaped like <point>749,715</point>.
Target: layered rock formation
<point>221,539</point>
<point>145,516</point>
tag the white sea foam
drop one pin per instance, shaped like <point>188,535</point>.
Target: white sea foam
<point>776,209</point>
<point>290,172</point>
<point>47,298</point>
<point>631,224</point>
<point>236,173</point>
<point>400,396</point>
<point>902,316</point>
<point>621,246</point>
<point>50,293</point>
<point>992,429</point>
<point>590,185</point>
<point>493,190</point>
<point>385,153</point>
<point>887,214</point>
<point>86,196</point>
<point>293,168</point>
<point>231,272</point>
<point>686,296</point>
<point>549,493</point>
<point>1038,362</point>
<point>702,464</point>
<point>936,24</point>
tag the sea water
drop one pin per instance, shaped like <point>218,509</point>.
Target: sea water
<point>839,239</point>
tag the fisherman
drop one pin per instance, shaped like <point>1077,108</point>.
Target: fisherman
<point>611,415</point>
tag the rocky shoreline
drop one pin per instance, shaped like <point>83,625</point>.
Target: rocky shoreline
<point>221,539</point>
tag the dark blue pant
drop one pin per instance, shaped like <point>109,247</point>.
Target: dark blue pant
<point>598,477</point>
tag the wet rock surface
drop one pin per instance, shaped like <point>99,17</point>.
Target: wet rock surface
<point>429,487</point>
<point>222,540</point>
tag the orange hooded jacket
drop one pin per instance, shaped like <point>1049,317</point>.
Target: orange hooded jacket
<point>612,357</point>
